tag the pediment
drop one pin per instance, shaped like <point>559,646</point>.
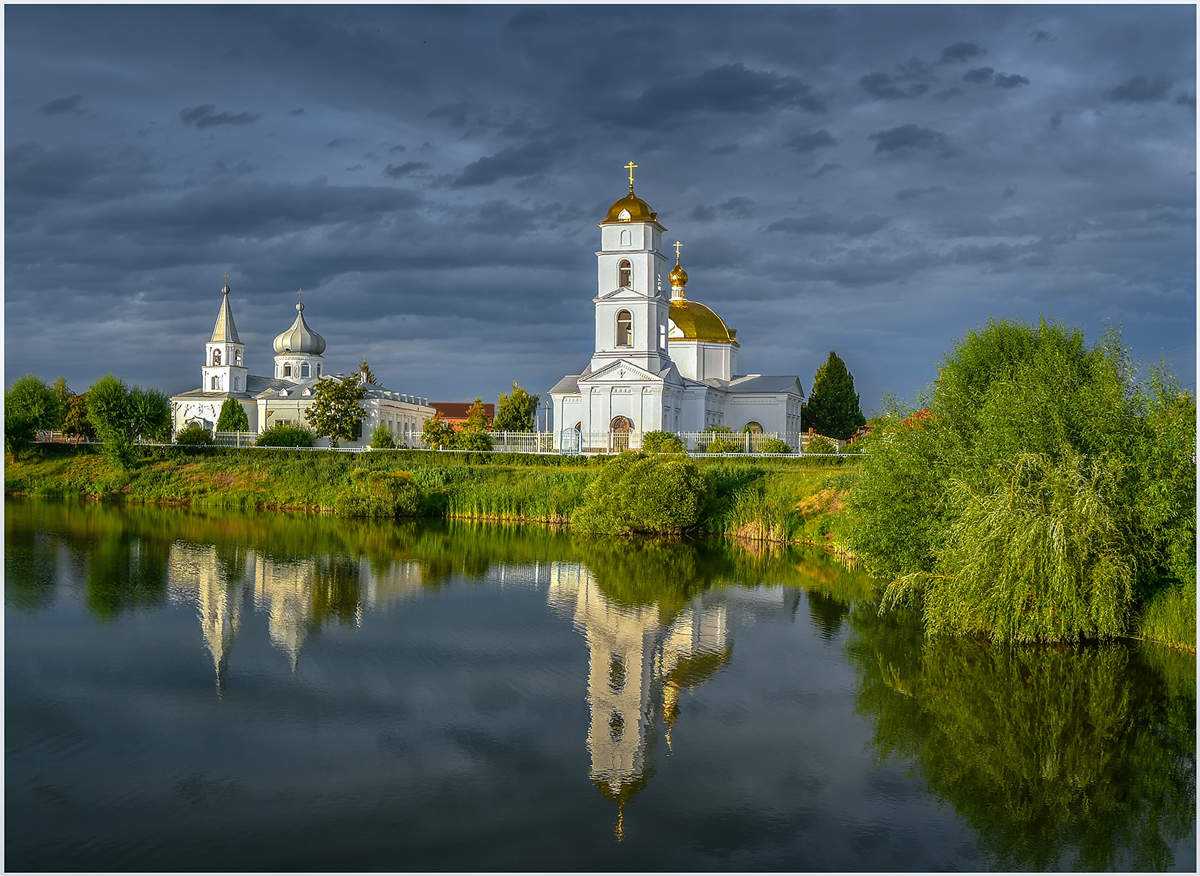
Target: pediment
<point>622,370</point>
<point>623,294</point>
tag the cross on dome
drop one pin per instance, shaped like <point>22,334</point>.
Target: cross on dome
<point>630,167</point>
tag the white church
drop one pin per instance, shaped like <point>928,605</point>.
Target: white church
<point>285,396</point>
<point>661,361</point>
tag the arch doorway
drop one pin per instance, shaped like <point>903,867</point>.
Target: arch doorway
<point>620,427</point>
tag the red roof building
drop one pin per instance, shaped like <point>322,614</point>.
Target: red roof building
<point>455,413</point>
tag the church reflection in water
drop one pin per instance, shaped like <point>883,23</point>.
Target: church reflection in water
<point>639,661</point>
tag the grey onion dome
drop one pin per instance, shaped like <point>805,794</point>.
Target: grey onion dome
<point>299,338</point>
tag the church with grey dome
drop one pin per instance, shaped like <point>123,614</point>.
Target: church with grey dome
<point>284,397</point>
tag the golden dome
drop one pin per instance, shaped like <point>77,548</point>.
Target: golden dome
<point>699,323</point>
<point>678,275</point>
<point>630,208</point>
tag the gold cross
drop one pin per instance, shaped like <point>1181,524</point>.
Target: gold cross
<point>677,246</point>
<point>630,166</point>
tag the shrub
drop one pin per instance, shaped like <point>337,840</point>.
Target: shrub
<point>821,444</point>
<point>661,442</point>
<point>286,435</point>
<point>111,416</point>
<point>233,417</point>
<point>437,433</point>
<point>472,439</point>
<point>19,431</point>
<point>193,435</point>
<point>639,493</point>
<point>773,445</point>
<point>724,445</point>
<point>381,438</point>
<point>373,493</point>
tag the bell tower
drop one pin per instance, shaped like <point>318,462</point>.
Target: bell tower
<point>224,354</point>
<point>631,304</point>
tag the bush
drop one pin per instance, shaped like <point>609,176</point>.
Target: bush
<point>1045,495</point>
<point>661,442</point>
<point>379,494</point>
<point>639,493</point>
<point>193,435</point>
<point>773,445</point>
<point>233,417</point>
<point>19,432</point>
<point>821,444</point>
<point>286,435</point>
<point>472,439</point>
<point>381,438</point>
<point>725,445</point>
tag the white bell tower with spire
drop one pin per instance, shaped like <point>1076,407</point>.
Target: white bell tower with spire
<point>224,355</point>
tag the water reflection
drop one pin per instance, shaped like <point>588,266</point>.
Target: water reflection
<point>1056,758</point>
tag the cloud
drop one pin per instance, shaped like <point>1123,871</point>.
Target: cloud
<point>396,171</point>
<point>948,94</point>
<point>731,89</point>
<point>338,142</point>
<point>61,105</point>
<point>399,147</point>
<point>515,162</point>
<point>1009,191</point>
<point>1056,120</point>
<point>1139,89</point>
<point>979,74</point>
<point>826,223</point>
<point>911,139</point>
<point>298,111</point>
<point>958,53</point>
<point>828,167</point>
<point>811,142</point>
<point>1188,100</point>
<point>1042,36</point>
<point>880,85</point>
<point>914,193</point>
<point>1010,80</point>
<point>206,116</point>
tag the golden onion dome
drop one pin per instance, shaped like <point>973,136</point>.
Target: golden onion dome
<point>678,275</point>
<point>630,208</point>
<point>699,323</point>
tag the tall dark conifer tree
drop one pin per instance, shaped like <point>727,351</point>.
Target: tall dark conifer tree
<point>832,408</point>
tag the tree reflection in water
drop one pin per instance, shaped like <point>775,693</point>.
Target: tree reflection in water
<point>1068,757</point>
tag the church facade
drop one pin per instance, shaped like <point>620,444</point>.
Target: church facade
<point>661,361</point>
<point>284,397</point>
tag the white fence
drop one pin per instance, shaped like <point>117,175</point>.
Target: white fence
<point>235,439</point>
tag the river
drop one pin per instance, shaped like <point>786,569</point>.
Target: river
<point>221,691</point>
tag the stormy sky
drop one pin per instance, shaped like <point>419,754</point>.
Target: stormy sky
<point>871,180</point>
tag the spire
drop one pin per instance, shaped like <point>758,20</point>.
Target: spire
<point>225,331</point>
<point>630,167</point>
<point>678,276</point>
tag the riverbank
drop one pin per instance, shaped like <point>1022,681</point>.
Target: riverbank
<point>785,501</point>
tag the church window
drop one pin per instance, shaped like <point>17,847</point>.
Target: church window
<point>216,357</point>
<point>318,369</point>
<point>624,274</point>
<point>304,369</point>
<point>753,428</point>
<point>625,239</point>
<point>624,329</point>
<point>287,369</point>
<point>216,381</point>
<point>237,357</point>
<point>616,674</point>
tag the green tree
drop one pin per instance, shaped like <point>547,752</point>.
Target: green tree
<point>63,394</point>
<point>109,411</point>
<point>150,414</point>
<point>76,421</point>
<point>35,402</point>
<point>477,417</point>
<point>335,410</point>
<point>437,433</point>
<point>515,412</point>
<point>233,417</point>
<point>193,435</point>
<point>368,375</point>
<point>659,441</point>
<point>832,407</point>
<point>381,438</point>
<point>473,439</point>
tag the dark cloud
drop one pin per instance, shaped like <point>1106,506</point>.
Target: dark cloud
<point>515,162</point>
<point>880,85</point>
<point>731,89</point>
<point>811,141</point>
<point>298,111</point>
<point>827,168</point>
<point>1056,120</point>
<point>1042,36</point>
<point>59,105</point>
<point>1140,89</point>
<point>961,52</point>
<point>1010,190</point>
<point>725,149</point>
<point>1188,100</point>
<point>399,147</point>
<point>918,192</point>
<point>947,94</point>
<point>979,74</point>
<point>206,116</point>
<point>1010,80</point>
<point>400,170</point>
<point>911,139</point>
<point>338,142</point>
<point>826,223</point>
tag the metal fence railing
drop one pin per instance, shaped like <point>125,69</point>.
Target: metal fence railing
<point>234,439</point>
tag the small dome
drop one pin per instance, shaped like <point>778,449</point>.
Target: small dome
<point>630,208</point>
<point>299,338</point>
<point>678,275</point>
<point>699,323</point>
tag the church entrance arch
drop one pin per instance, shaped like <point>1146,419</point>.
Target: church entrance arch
<point>620,427</point>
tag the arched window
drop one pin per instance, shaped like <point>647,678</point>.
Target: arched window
<point>304,369</point>
<point>753,428</point>
<point>616,673</point>
<point>625,239</point>
<point>624,329</point>
<point>624,274</point>
<point>216,382</point>
<point>237,357</point>
<point>318,369</point>
<point>287,369</point>
<point>620,427</point>
<point>216,357</point>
